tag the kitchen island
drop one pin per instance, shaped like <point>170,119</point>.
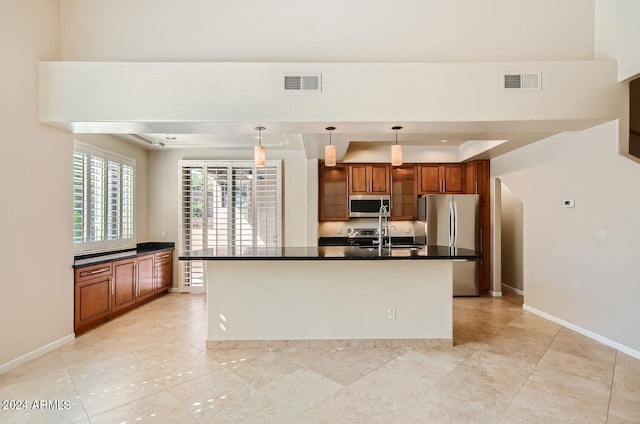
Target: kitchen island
<point>330,294</point>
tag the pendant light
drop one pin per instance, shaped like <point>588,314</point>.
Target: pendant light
<point>396,150</point>
<point>259,154</point>
<point>330,150</point>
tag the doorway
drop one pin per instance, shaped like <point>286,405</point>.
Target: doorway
<point>512,242</point>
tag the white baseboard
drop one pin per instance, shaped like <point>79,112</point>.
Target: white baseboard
<point>36,353</point>
<point>597,337</point>
<point>506,287</point>
<point>495,293</point>
<point>174,290</point>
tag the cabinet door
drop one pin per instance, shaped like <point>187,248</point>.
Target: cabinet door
<point>358,179</point>
<point>145,277</point>
<point>452,176</point>
<point>429,179</point>
<point>92,300</point>
<point>379,179</point>
<point>485,247</point>
<point>163,270</point>
<point>404,197</point>
<point>333,194</point>
<point>124,284</point>
<point>476,178</point>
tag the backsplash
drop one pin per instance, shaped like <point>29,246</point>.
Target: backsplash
<point>341,228</point>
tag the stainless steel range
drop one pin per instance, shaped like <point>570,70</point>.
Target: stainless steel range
<point>363,236</point>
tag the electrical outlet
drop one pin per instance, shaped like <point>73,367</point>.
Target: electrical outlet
<point>601,234</point>
<point>163,234</point>
<point>391,313</point>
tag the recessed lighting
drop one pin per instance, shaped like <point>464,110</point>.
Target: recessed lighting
<point>443,141</point>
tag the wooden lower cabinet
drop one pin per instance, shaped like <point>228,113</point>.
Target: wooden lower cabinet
<point>108,289</point>
<point>144,277</point>
<point>124,284</point>
<point>92,294</point>
<point>163,271</point>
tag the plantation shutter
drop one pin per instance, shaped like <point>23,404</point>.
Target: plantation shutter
<point>227,206</point>
<point>103,200</point>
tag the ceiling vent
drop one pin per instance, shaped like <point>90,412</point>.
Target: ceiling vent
<point>302,82</point>
<point>521,82</point>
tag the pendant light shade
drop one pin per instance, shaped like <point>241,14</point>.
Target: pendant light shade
<point>396,150</point>
<point>259,152</point>
<point>330,150</point>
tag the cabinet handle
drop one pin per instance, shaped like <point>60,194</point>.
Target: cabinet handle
<point>98,271</point>
<point>163,256</point>
<point>476,187</point>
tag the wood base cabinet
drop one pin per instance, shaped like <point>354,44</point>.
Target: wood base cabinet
<point>124,284</point>
<point>108,289</point>
<point>145,275</point>
<point>163,270</point>
<point>92,294</point>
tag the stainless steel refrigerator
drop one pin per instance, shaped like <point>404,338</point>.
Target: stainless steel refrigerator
<point>452,220</point>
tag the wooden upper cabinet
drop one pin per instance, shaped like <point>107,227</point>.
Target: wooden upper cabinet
<point>477,178</point>
<point>333,193</point>
<point>368,179</point>
<point>441,178</point>
<point>404,195</point>
<point>430,179</point>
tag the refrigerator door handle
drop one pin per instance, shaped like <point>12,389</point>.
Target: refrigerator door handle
<point>451,223</point>
<point>455,223</point>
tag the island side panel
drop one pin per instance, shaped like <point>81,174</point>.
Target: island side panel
<point>315,299</point>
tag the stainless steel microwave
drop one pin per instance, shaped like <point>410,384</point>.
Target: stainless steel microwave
<point>367,205</point>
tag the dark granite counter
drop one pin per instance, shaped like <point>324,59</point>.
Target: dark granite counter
<point>140,250</point>
<point>401,252</point>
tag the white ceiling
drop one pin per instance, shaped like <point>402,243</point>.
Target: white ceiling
<point>469,139</point>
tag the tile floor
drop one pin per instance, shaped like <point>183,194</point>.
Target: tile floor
<point>151,365</point>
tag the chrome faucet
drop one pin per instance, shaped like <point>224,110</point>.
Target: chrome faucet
<point>383,212</point>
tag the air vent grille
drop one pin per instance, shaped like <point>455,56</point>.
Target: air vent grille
<point>523,82</point>
<point>302,82</point>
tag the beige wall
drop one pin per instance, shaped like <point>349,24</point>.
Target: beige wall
<point>617,34</point>
<point>328,31</point>
<point>36,305</point>
<point>125,93</point>
<point>141,156</point>
<point>568,274</point>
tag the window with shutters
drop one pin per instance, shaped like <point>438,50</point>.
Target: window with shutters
<point>227,206</point>
<point>103,200</point>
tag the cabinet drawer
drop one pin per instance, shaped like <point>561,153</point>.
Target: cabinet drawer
<point>163,257</point>
<point>93,271</point>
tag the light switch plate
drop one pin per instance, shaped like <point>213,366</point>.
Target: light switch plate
<point>601,234</point>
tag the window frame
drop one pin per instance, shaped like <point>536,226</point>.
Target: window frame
<point>120,197</point>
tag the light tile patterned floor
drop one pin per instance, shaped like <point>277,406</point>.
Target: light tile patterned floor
<point>506,366</point>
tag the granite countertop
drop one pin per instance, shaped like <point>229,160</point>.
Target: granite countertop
<point>333,253</point>
<point>140,250</point>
